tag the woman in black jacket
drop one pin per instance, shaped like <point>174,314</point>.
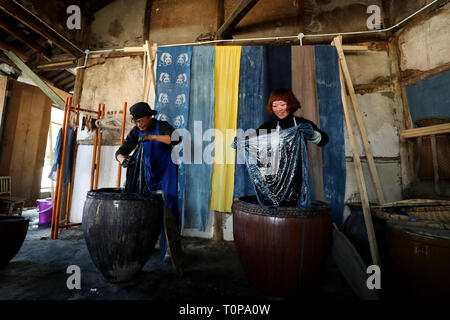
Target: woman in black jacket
<point>282,106</point>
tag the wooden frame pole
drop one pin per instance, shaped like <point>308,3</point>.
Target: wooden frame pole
<point>359,174</point>
<point>99,147</point>
<point>58,175</point>
<point>94,153</point>
<point>63,163</point>
<point>72,167</point>
<point>359,120</point>
<point>119,173</point>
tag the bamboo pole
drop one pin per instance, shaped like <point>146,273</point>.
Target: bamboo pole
<point>58,175</point>
<point>359,120</point>
<point>426,131</point>
<point>359,174</point>
<point>72,166</point>
<point>121,142</point>
<point>99,147</point>
<point>63,163</point>
<point>94,153</point>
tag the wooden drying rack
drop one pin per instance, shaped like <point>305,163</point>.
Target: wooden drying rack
<point>56,224</point>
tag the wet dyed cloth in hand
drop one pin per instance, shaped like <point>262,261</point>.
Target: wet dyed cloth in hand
<point>278,166</point>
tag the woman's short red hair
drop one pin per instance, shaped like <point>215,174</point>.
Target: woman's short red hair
<point>283,95</point>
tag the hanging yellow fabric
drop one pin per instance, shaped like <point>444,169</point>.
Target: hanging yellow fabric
<point>226,72</point>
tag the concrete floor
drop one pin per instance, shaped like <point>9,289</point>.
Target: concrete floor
<point>212,273</point>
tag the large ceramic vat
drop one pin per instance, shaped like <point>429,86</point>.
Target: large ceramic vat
<point>13,230</point>
<point>422,256</point>
<point>281,249</point>
<point>121,230</point>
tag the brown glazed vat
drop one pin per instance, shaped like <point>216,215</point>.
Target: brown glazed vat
<point>282,248</point>
<point>422,256</point>
<point>13,231</point>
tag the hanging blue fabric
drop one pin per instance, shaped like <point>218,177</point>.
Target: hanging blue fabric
<point>279,69</point>
<point>263,69</point>
<point>251,113</point>
<point>58,156</point>
<point>173,75</point>
<point>331,121</point>
<point>201,118</point>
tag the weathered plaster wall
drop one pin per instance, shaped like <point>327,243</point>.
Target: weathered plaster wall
<point>369,67</point>
<point>112,83</point>
<point>119,24</point>
<point>331,16</point>
<point>175,21</point>
<point>425,45</point>
<point>400,9</point>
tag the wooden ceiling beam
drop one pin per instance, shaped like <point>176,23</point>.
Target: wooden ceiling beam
<point>20,35</point>
<point>30,20</point>
<point>65,81</point>
<point>7,47</point>
<point>235,17</point>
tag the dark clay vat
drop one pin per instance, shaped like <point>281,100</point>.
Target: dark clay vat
<point>422,256</point>
<point>121,230</point>
<point>12,234</point>
<point>281,249</point>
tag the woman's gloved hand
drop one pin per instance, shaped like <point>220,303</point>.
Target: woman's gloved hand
<point>309,133</point>
<point>126,161</point>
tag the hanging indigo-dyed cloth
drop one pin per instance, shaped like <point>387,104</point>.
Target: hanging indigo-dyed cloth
<point>251,110</point>
<point>263,69</point>
<point>201,118</point>
<point>173,76</point>
<point>278,166</point>
<point>331,121</point>
<point>58,156</point>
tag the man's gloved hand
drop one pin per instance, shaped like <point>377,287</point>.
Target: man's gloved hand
<point>143,138</point>
<point>126,161</point>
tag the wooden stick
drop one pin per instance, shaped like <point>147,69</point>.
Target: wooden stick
<point>72,166</point>
<point>63,163</point>
<point>147,71</point>
<point>359,174</point>
<point>58,175</point>
<point>426,131</point>
<point>99,147</point>
<point>359,120</point>
<point>67,225</point>
<point>94,153</point>
<point>121,141</point>
<point>435,164</point>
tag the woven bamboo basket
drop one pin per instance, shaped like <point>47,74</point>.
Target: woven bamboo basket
<point>415,209</point>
